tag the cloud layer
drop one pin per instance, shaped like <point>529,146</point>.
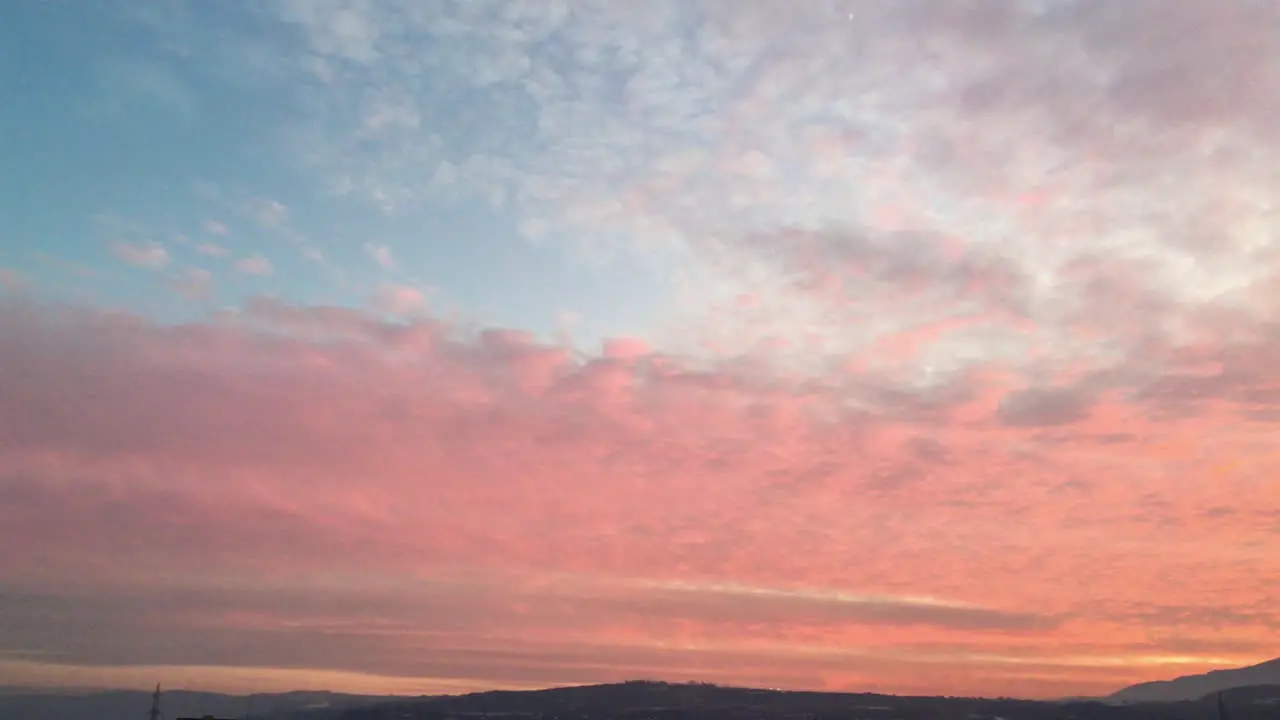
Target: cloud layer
<point>298,487</point>
<point>1059,178</point>
<point>967,381</point>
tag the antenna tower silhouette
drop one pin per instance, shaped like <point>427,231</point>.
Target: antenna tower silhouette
<point>154,713</point>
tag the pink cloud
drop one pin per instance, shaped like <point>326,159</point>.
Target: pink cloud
<point>515,513</point>
<point>626,348</point>
<point>254,265</point>
<point>399,300</point>
<point>193,284</point>
<point>382,255</point>
<point>146,255</point>
<point>11,280</point>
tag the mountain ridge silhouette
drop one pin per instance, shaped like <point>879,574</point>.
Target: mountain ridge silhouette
<point>1194,687</point>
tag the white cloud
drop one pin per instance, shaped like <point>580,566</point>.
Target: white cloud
<point>346,30</point>
<point>193,284</point>
<point>265,212</point>
<point>213,227</point>
<point>1079,148</point>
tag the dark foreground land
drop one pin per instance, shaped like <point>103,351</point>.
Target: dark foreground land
<point>663,701</point>
<point>626,701</point>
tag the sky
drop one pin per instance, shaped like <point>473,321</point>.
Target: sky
<point>925,346</point>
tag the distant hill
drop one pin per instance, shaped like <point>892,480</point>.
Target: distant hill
<point>1260,695</point>
<point>649,700</point>
<point>133,705</point>
<point>616,699</point>
<point>644,700</point>
<point>1193,687</point>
